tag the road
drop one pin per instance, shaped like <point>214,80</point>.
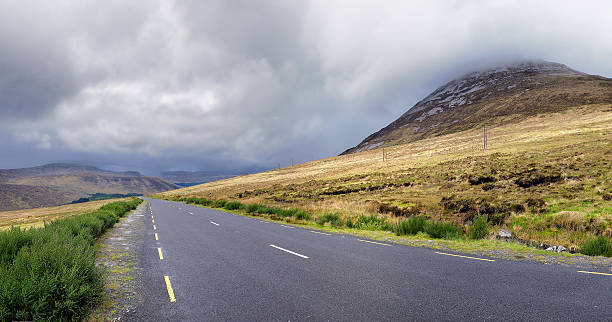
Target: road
<point>206,265</point>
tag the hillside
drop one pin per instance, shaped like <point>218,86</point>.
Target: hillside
<point>496,96</point>
<point>57,184</point>
<point>189,178</point>
<point>546,174</point>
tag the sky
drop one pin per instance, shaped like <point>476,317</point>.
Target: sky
<point>234,86</point>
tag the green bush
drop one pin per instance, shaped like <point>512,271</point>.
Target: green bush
<point>233,205</point>
<point>598,246</point>
<point>440,229</point>
<point>251,208</point>
<point>331,217</point>
<point>371,222</point>
<point>410,226</point>
<point>302,215</point>
<point>49,273</point>
<point>219,203</point>
<point>479,229</point>
<point>284,212</point>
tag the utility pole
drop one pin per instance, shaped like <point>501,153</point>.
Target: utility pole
<point>484,137</point>
<point>291,162</point>
<point>383,154</point>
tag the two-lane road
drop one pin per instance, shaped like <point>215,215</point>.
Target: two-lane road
<point>202,264</point>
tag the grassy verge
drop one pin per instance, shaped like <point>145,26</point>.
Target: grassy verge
<point>49,273</point>
<point>416,225</point>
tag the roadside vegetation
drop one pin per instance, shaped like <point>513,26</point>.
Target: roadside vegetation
<point>479,228</point>
<point>547,179</point>
<point>104,196</point>
<point>49,273</point>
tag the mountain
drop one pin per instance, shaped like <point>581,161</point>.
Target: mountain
<point>61,183</point>
<point>495,96</point>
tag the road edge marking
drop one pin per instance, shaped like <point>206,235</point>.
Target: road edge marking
<point>287,226</point>
<point>169,288</point>
<point>480,259</point>
<point>290,252</point>
<point>160,253</point>
<point>596,273</point>
<point>373,242</point>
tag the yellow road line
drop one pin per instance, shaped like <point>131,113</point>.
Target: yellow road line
<point>371,242</point>
<point>153,220</point>
<point>480,259</point>
<point>169,287</point>
<point>586,272</point>
<point>154,228</point>
<point>156,238</point>
<point>160,253</point>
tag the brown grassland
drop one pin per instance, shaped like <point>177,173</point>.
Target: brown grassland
<point>548,178</point>
<point>36,217</point>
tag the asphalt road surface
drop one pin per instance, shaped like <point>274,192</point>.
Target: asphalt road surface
<point>208,265</point>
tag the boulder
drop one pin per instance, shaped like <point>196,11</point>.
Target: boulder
<point>505,234</point>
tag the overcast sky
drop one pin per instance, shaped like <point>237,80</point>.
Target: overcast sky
<point>222,85</point>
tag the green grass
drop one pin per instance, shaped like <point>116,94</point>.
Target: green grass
<point>479,229</point>
<point>598,246</point>
<point>330,217</point>
<point>49,273</point>
<point>440,229</point>
<point>410,226</point>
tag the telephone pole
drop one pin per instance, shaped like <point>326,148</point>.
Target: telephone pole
<point>383,154</point>
<point>484,137</point>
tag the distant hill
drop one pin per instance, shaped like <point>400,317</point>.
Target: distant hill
<point>190,178</point>
<point>495,96</point>
<point>62,183</point>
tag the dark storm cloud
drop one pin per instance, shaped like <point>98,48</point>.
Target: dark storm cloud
<point>197,84</point>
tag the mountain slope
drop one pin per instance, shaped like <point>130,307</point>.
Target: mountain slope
<point>496,96</point>
<point>59,183</point>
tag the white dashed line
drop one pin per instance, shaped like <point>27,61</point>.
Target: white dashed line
<point>320,233</point>
<point>214,223</point>
<point>288,251</point>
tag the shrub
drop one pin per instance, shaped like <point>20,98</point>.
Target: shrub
<point>49,273</point>
<point>440,229</point>
<point>233,205</point>
<point>371,222</point>
<point>479,228</point>
<point>302,215</point>
<point>219,203</point>
<point>251,208</point>
<point>284,212</point>
<point>599,246</point>
<point>330,217</point>
<point>410,226</point>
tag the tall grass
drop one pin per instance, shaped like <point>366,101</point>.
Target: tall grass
<point>598,246</point>
<point>479,228</point>
<point>49,273</point>
<point>410,226</point>
<point>330,217</point>
<point>441,229</point>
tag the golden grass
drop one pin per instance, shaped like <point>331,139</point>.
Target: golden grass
<point>577,143</point>
<point>36,217</point>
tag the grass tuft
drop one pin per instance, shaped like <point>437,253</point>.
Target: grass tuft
<point>598,246</point>
<point>479,229</point>
<point>410,226</point>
